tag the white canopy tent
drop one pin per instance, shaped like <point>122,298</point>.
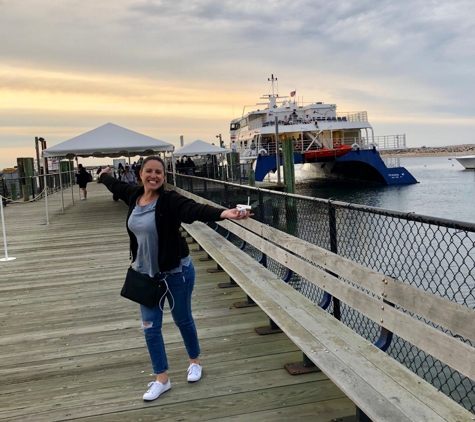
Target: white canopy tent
<point>108,140</point>
<point>199,147</point>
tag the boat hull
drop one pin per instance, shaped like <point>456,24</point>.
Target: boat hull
<point>356,165</point>
<point>467,161</point>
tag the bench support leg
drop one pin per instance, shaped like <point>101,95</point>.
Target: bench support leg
<point>306,366</point>
<point>246,304</point>
<point>208,258</point>
<point>360,416</point>
<point>218,269</point>
<point>197,250</point>
<point>231,283</point>
<point>347,419</point>
<point>272,328</point>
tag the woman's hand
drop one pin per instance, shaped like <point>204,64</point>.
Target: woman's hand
<point>106,170</point>
<point>235,214</point>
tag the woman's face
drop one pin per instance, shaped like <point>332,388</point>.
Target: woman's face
<point>152,175</point>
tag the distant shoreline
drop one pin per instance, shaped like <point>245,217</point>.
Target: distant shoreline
<point>452,150</point>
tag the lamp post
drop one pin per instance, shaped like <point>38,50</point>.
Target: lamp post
<point>220,140</point>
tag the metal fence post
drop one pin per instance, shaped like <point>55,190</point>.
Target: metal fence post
<point>7,258</point>
<point>334,249</point>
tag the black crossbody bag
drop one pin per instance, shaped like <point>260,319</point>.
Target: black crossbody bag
<point>143,289</point>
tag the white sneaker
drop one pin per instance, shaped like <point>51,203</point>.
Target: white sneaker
<point>156,389</point>
<point>194,372</point>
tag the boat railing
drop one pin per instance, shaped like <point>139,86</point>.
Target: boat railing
<point>352,116</point>
<point>388,142</point>
<point>300,146</point>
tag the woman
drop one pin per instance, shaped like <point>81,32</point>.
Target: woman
<point>159,250</point>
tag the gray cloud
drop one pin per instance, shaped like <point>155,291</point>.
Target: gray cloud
<point>406,56</point>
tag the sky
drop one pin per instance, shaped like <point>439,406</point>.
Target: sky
<point>170,68</point>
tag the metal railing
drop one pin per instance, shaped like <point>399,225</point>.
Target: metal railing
<point>316,139</point>
<point>388,142</point>
<point>432,254</point>
<point>16,188</point>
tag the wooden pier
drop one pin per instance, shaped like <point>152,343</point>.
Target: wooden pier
<point>72,349</point>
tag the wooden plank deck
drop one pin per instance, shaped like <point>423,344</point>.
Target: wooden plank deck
<point>72,349</point>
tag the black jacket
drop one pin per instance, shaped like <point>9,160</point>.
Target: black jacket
<point>82,177</point>
<point>172,209</point>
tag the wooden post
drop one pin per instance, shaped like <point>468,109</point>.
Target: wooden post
<point>25,174</point>
<point>252,178</point>
<point>231,159</point>
<point>288,163</point>
<point>289,182</point>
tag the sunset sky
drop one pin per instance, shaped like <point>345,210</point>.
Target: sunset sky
<point>169,68</point>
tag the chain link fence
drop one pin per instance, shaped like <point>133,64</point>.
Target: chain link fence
<point>433,254</point>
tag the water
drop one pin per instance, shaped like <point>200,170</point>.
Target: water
<point>445,190</point>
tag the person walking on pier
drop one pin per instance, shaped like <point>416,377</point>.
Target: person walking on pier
<point>158,250</point>
<point>82,177</point>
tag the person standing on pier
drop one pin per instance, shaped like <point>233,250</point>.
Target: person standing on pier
<point>158,250</point>
<point>128,176</point>
<point>82,177</point>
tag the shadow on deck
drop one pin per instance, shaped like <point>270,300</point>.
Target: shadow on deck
<point>72,348</point>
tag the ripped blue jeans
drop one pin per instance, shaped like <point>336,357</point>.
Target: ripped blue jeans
<point>179,299</point>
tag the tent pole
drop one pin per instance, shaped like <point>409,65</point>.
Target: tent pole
<point>46,199</point>
<point>71,177</point>
<point>61,187</point>
<point>79,189</point>
<point>174,169</point>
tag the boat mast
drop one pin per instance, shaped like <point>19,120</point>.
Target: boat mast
<point>271,106</point>
<point>272,80</point>
<point>272,97</point>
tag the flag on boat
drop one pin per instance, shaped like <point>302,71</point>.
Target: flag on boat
<point>292,94</point>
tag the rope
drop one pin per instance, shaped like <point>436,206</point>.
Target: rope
<point>10,201</point>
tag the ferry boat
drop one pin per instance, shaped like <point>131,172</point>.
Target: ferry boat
<point>327,143</point>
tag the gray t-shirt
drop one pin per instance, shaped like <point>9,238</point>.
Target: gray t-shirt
<point>142,225</point>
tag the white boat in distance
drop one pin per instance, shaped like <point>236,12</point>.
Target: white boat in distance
<point>327,143</point>
<point>468,161</point>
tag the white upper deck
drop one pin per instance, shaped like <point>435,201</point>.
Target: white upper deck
<point>292,116</point>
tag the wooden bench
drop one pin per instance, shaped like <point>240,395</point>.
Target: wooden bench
<point>381,388</point>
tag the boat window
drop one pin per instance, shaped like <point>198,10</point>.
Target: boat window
<point>234,126</point>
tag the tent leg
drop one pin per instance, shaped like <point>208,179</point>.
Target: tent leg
<point>174,169</point>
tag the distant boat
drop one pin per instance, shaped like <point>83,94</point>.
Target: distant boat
<point>468,161</point>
